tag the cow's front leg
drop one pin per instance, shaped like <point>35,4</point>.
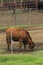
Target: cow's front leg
<point>20,44</point>
<point>25,47</point>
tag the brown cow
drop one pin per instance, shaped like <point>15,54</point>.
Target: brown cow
<point>20,35</point>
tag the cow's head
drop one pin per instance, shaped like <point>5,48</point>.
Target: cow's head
<point>31,45</point>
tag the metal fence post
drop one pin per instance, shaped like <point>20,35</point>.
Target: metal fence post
<point>11,42</point>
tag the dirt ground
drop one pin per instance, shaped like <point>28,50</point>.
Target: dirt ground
<point>37,37</point>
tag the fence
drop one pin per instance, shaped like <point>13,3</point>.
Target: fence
<point>20,17</point>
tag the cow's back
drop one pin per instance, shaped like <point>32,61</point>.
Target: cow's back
<point>16,32</point>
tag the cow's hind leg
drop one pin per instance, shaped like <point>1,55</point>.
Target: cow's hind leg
<point>8,44</point>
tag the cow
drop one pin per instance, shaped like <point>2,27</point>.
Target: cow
<point>19,35</point>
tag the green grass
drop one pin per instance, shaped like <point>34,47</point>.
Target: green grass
<point>33,58</point>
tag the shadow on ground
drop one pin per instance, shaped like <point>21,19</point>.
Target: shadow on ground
<point>38,47</point>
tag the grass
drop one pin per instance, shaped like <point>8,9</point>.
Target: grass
<point>33,58</point>
<point>21,26</point>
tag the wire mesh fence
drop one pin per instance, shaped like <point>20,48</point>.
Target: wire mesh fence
<point>19,18</point>
<point>19,13</point>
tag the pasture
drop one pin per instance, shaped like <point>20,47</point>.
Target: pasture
<point>22,57</point>
<point>33,58</point>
